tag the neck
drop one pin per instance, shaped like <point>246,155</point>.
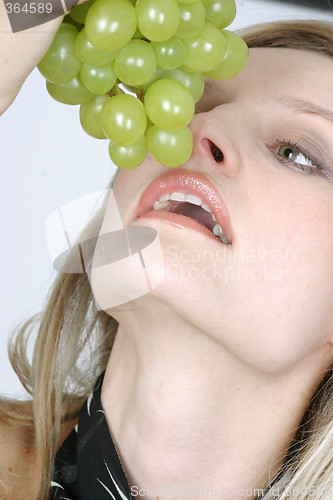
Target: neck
<point>191,416</point>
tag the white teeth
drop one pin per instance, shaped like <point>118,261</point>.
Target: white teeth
<point>190,198</point>
<point>165,197</point>
<point>224,240</point>
<point>206,207</point>
<point>163,203</point>
<point>193,199</point>
<point>178,197</point>
<point>217,231</point>
<point>160,206</point>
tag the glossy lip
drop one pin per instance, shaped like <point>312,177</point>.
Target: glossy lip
<point>183,181</point>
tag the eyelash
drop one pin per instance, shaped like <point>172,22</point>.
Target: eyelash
<point>316,169</point>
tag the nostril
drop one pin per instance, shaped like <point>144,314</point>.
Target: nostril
<point>216,152</point>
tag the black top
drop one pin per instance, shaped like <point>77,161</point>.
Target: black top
<point>87,466</point>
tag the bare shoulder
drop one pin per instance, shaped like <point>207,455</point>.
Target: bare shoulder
<point>18,471</point>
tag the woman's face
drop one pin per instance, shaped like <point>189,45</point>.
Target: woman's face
<point>268,296</point>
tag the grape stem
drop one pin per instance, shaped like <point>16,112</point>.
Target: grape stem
<point>116,90</point>
<point>140,94</point>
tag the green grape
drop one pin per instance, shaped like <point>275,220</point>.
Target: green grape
<point>91,116</point>
<point>158,20</point>
<point>98,79</point>
<point>169,54</point>
<point>135,63</point>
<point>158,75</point>
<point>73,92</point>
<point>205,50</point>
<point>79,12</point>
<point>192,19</point>
<point>110,24</point>
<point>69,20</point>
<point>60,63</point>
<point>194,82</point>
<point>124,119</point>
<point>149,125</point>
<point>235,58</point>
<point>137,34</point>
<point>169,104</point>
<point>128,156</point>
<point>160,50</point>
<point>221,13</point>
<point>89,55</point>
<point>171,149</point>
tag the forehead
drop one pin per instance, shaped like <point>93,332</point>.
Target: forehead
<point>274,72</point>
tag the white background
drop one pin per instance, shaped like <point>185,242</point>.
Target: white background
<point>46,161</point>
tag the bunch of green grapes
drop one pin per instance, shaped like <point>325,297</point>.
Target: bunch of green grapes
<point>137,68</point>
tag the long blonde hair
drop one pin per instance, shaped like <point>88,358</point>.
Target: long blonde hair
<point>72,342</point>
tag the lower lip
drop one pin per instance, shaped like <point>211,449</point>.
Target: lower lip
<point>181,221</point>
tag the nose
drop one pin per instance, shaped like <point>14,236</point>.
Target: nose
<point>215,142</point>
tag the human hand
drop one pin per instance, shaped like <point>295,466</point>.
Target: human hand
<point>24,39</point>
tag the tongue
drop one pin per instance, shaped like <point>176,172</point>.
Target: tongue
<point>193,211</point>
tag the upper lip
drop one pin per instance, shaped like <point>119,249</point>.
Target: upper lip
<point>183,181</point>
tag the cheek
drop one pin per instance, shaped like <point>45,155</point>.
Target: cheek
<point>308,273</point>
<point>285,294</point>
<point>269,299</point>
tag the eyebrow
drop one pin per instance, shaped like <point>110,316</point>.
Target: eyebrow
<point>306,107</point>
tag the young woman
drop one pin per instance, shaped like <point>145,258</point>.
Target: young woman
<point>217,382</point>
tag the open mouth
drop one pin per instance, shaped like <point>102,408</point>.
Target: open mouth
<point>191,195</point>
<point>193,207</point>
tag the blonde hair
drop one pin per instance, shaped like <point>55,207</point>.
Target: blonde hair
<point>74,339</point>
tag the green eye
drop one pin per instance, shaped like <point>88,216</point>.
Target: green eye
<point>292,153</point>
<point>288,152</point>
<point>293,156</point>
